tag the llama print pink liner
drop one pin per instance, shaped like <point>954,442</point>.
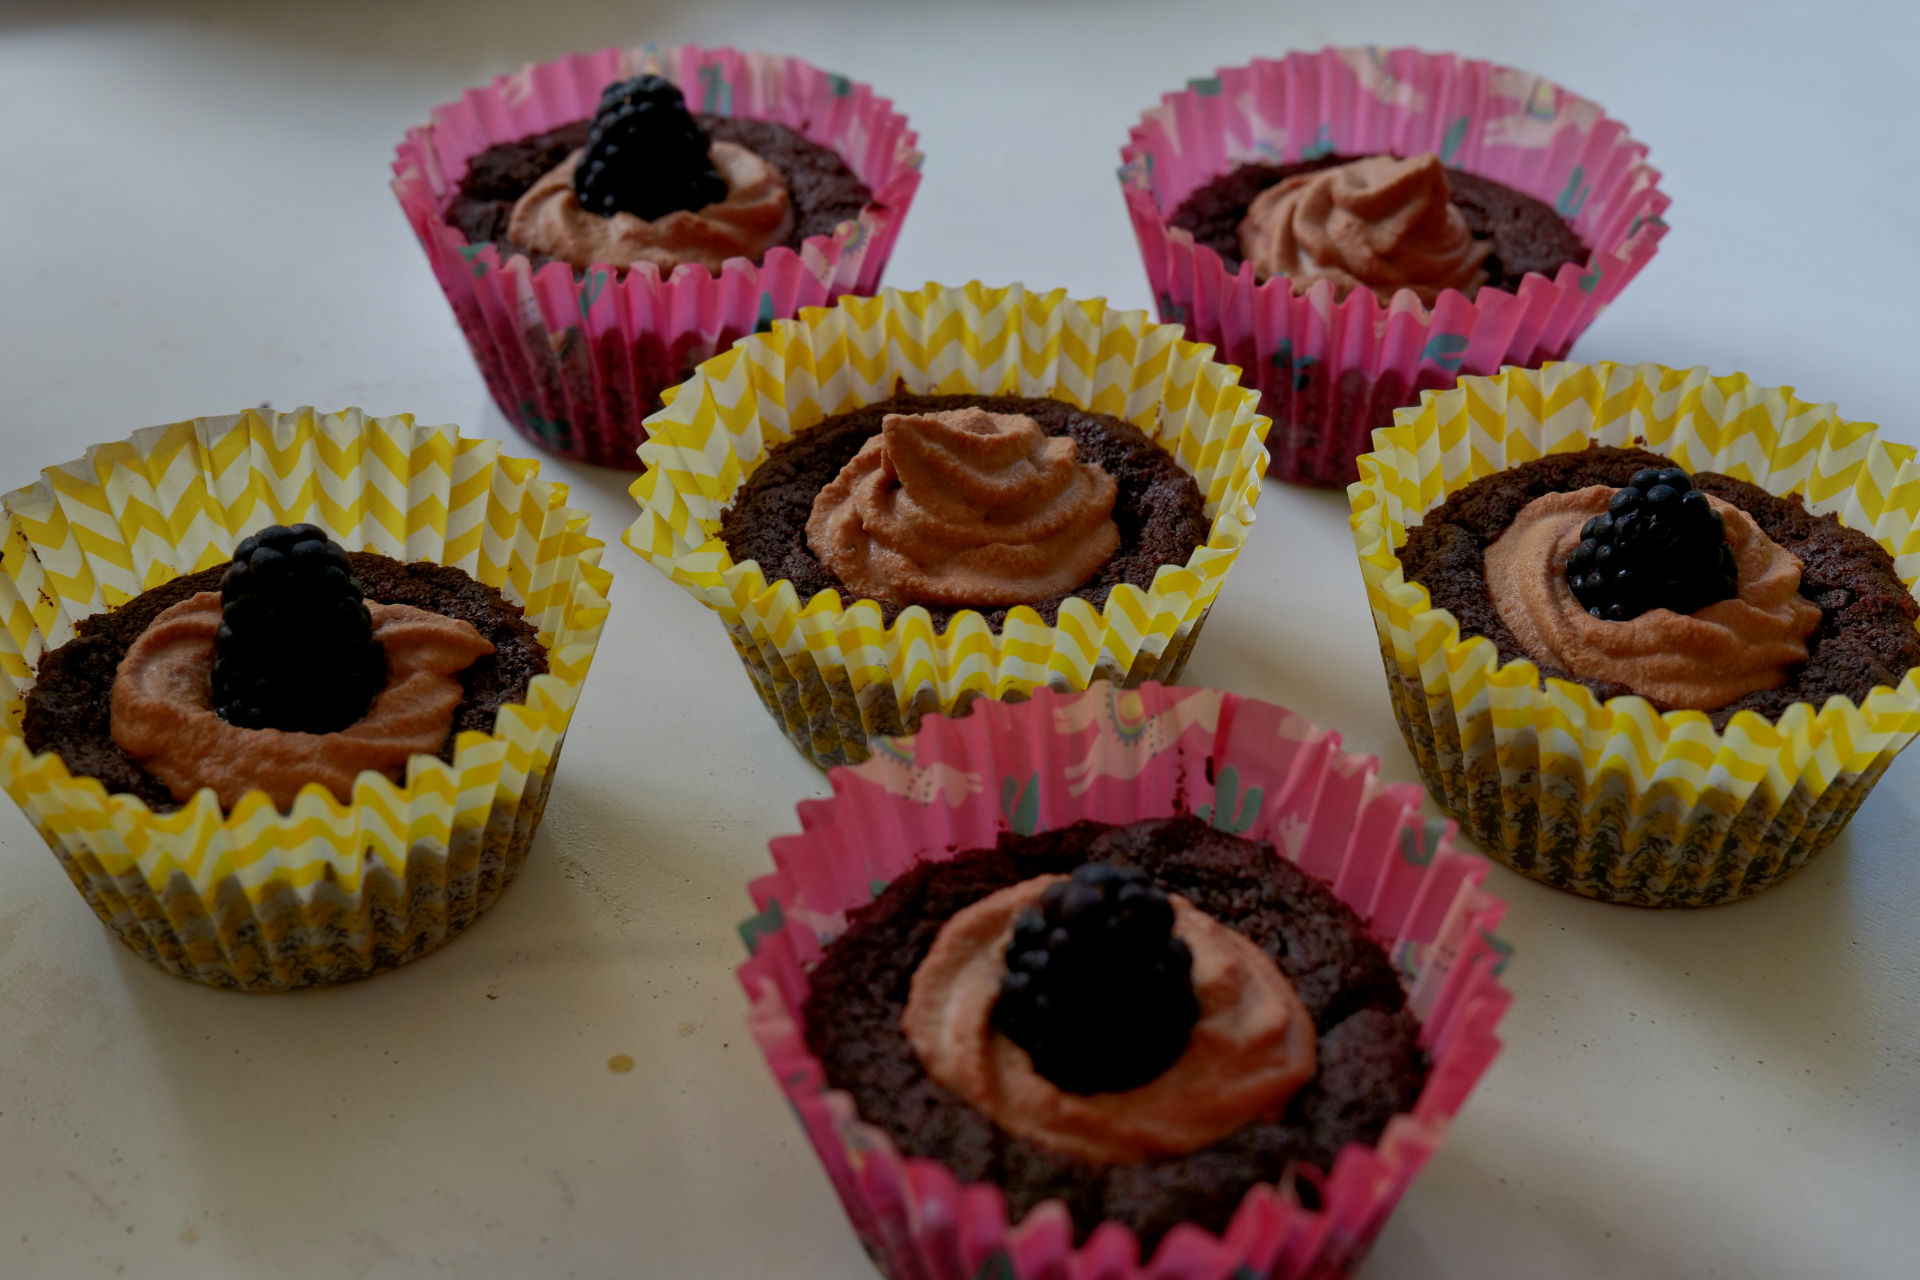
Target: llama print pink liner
<point>1330,372</point>
<point>576,359</point>
<point>1121,755</point>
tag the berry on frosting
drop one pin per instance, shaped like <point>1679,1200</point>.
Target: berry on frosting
<point>645,155</point>
<point>1660,545</point>
<point>1098,991</point>
<point>295,649</point>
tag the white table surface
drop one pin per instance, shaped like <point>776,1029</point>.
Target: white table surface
<point>194,218</point>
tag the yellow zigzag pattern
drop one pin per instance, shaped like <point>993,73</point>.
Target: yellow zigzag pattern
<point>1502,714</point>
<point>92,533</point>
<point>718,426</point>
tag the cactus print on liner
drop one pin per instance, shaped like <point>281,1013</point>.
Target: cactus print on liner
<point>576,360</point>
<point>1330,372</point>
<point>1369,1064</point>
<point>1114,757</point>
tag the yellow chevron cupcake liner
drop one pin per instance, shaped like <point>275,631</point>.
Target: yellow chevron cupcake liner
<point>255,899</point>
<point>1615,800</point>
<point>834,675</point>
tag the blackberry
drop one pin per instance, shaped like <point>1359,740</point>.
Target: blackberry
<point>1660,545</point>
<point>645,155</point>
<point>295,649</point>
<point>1098,991</point>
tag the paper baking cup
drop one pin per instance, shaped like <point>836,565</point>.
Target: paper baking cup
<point>576,359</point>
<point>1121,756</point>
<point>1328,372</point>
<point>835,675</point>
<point>330,892</point>
<point>1615,800</point>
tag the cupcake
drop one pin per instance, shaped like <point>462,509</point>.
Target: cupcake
<point>268,761</point>
<point>901,503</point>
<point>603,223</point>
<point>1355,226</point>
<point>1122,981</point>
<point>1650,634</point>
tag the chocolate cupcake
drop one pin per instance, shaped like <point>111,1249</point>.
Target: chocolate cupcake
<point>1599,569</point>
<point>1629,673</point>
<point>146,700</point>
<point>300,765</point>
<point>987,503</point>
<point>601,224</point>
<point>739,188</point>
<point>1084,986</point>
<point>1356,225</point>
<point>1241,1030</point>
<point>1382,222</point>
<point>1057,503</point>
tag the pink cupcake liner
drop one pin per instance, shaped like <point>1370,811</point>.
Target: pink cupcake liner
<point>1330,373</point>
<point>1120,756</point>
<point>577,359</point>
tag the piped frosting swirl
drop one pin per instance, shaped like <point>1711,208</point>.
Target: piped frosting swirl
<point>1696,661</point>
<point>1252,1048</point>
<point>163,716</point>
<point>964,508</point>
<point>755,215</point>
<point>1380,223</point>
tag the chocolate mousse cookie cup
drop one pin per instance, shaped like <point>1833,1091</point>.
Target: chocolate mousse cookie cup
<point>899,504</point>
<point>285,691</point>
<point>603,223</point>
<point>1650,634</point>
<point>1357,225</point>
<point>1122,983</point>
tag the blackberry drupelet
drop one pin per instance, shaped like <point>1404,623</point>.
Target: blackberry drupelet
<point>295,649</point>
<point>1098,991</point>
<point>1660,545</point>
<point>645,155</point>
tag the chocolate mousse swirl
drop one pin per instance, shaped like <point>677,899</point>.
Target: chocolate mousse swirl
<point>964,508</point>
<point>1251,1051</point>
<point>1700,660</point>
<point>163,715</point>
<point>1380,223</point>
<point>755,214</point>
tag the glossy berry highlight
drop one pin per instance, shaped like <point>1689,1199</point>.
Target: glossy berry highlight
<point>1660,545</point>
<point>645,154</point>
<point>1098,991</point>
<point>295,649</point>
